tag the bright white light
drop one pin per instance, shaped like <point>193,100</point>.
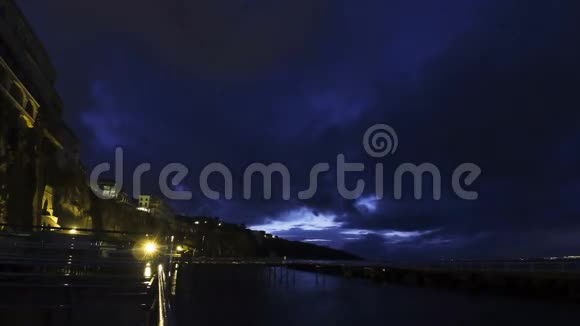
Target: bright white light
<point>366,204</point>
<point>73,231</point>
<point>300,219</point>
<point>405,234</point>
<point>392,236</point>
<point>316,240</point>
<point>150,248</point>
<point>147,272</point>
<point>356,232</point>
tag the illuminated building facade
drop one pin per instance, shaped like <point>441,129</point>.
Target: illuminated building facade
<point>48,218</point>
<point>156,207</point>
<point>111,191</point>
<point>34,142</point>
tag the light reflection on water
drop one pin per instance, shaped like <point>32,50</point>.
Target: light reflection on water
<point>257,295</point>
<point>147,272</point>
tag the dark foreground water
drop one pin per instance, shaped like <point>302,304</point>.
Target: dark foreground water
<point>254,295</point>
<point>239,295</point>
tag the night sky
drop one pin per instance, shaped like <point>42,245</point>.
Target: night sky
<point>493,82</point>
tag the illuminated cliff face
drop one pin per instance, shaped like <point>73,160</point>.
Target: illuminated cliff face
<point>48,217</point>
<point>33,137</point>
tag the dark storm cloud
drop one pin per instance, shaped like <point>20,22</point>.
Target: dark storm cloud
<point>298,82</point>
<point>503,97</point>
<point>209,37</point>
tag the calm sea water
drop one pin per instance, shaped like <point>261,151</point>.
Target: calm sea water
<point>255,295</point>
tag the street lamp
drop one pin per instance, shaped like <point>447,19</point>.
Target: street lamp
<point>150,248</point>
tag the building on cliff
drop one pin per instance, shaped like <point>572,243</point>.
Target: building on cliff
<point>37,150</point>
<point>156,207</point>
<point>111,191</point>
